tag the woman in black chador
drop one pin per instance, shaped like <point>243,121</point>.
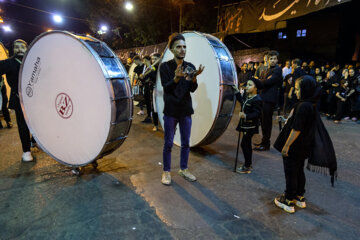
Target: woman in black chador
<point>251,106</point>
<point>295,142</point>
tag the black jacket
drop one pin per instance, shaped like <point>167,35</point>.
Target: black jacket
<point>177,98</point>
<point>11,68</point>
<point>252,107</point>
<point>271,83</point>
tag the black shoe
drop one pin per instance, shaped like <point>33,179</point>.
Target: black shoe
<point>262,148</point>
<point>299,201</point>
<point>147,120</point>
<point>244,169</point>
<point>285,204</point>
<point>9,124</point>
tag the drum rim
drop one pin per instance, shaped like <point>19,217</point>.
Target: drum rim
<point>231,59</point>
<point>106,77</point>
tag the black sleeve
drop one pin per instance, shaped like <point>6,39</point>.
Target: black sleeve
<point>274,79</point>
<point>5,66</point>
<point>302,116</point>
<point>239,97</point>
<point>166,81</point>
<point>256,113</point>
<point>193,86</point>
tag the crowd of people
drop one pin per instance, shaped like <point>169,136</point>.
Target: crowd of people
<point>340,85</point>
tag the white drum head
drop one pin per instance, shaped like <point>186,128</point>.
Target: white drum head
<point>205,99</point>
<point>65,98</point>
<point>3,56</point>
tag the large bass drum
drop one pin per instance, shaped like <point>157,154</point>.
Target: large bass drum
<point>76,97</point>
<point>214,100</point>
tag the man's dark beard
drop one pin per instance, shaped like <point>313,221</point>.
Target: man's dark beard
<point>20,57</point>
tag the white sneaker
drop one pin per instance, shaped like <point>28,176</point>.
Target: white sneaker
<point>166,178</point>
<point>187,175</point>
<point>26,157</point>
<point>141,112</point>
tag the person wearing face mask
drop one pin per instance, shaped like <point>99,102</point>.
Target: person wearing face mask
<point>11,67</point>
<point>178,79</point>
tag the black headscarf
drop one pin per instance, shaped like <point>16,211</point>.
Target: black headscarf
<point>322,158</point>
<point>310,90</point>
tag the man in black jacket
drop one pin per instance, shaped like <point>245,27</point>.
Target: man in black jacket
<point>269,95</point>
<point>178,79</point>
<point>11,68</point>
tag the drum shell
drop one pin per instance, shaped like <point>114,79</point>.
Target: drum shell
<point>119,95</point>
<point>225,99</point>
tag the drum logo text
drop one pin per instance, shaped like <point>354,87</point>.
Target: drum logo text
<point>64,105</point>
<point>34,78</point>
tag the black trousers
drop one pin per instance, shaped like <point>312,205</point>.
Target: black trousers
<point>4,107</point>
<point>331,101</point>
<point>246,147</point>
<point>147,96</point>
<point>294,176</point>
<point>266,122</point>
<point>23,129</point>
<point>340,109</point>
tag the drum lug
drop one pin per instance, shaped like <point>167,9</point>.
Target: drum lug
<point>76,171</point>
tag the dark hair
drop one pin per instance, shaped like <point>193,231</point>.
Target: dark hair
<point>175,37</point>
<point>309,88</point>
<point>273,53</point>
<point>297,61</point>
<point>147,57</point>
<point>137,57</point>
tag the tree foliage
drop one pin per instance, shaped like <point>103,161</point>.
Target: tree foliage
<point>150,22</point>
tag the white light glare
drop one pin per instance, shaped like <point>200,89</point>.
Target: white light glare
<point>7,28</point>
<point>104,28</point>
<point>57,18</point>
<point>129,6</point>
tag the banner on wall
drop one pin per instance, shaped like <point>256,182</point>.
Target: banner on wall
<point>259,15</point>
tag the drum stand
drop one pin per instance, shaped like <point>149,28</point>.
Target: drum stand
<point>79,170</point>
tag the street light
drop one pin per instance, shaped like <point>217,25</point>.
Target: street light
<point>129,6</point>
<point>104,28</point>
<point>57,18</point>
<point>7,28</point>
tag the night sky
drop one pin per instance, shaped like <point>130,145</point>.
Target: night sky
<point>28,23</point>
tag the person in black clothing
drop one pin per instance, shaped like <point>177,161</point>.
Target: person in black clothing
<point>178,79</point>
<point>354,84</point>
<point>243,75</point>
<point>269,95</point>
<point>155,57</point>
<point>11,68</point>
<point>297,72</point>
<point>300,132</point>
<point>251,106</point>
<point>147,86</point>
<point>342,94</point>
<point>139,70</point>
<point>4,107</point>
<point>333,83</point>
